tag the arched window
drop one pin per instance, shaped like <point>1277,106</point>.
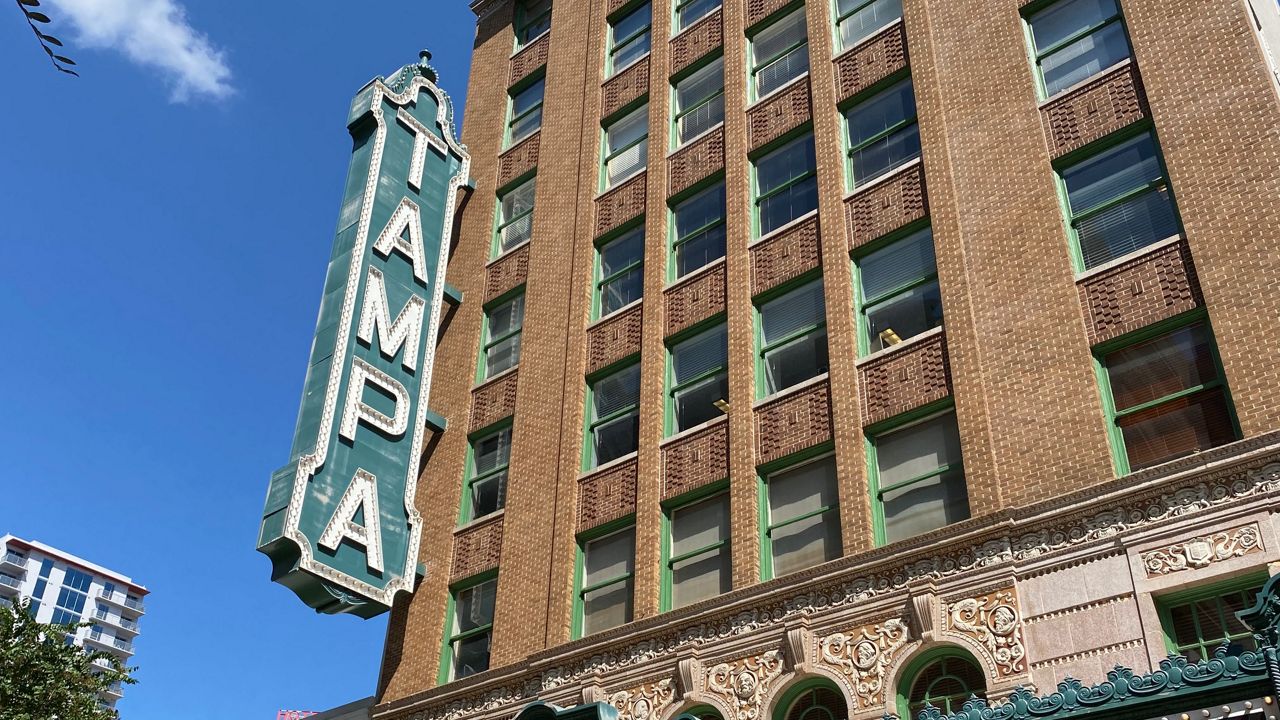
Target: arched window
<point>944,681</point>
<point>700,712</point>
<point>819,701</point>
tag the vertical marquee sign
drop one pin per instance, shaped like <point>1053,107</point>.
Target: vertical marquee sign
<point>340,524</point>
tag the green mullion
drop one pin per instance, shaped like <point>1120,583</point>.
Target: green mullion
<point>718,370</point>
<point>495,341</point>
<point>689,235</point>
<point>842,18</point>
<point>904,288</point>
<point>785,186</point>
<point>525,114</point>
<point>694,553</point>
<point>467,635</point>
<point>1150,187</point>
<point>942,470</point>
<point>900,125</point>
<point>606,583</point>
<point>1078,36</point>
<point>1211,385</point>
<point>793,337</point>
<point>514,220</point>
<point>798,518</point>
<point>761,66</point>
<point>614,416</point>
<point>620,273</point>
<point>610,157</point>
<point>705,101</point>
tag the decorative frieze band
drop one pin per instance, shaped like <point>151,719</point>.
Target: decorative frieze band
<point>1203,551</point>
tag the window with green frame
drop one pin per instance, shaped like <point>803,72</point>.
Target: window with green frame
<point>533,18</point>
<point>697,229</point>
<point>883,132</point>
<point>469,629</point>
<point>918,478</point>
<point>689,12</point>
<point>779,53</point>
<point>945,681</point>
<point>857,20</point>
<point>613,418</point>
<point>619,271</point>
<point>515,216</point>
<point>502,326</point>
<point>485,490</point>
<point>696,554</point>
<point>699,378</point>
<point>1118,201</point>
<point>1165,394</point>
<point>897,292</point>
<point>605,580</point>
<point>786,184</point>
<point>699,101</point>
<point>626,146</point>
<point>802,519</point>
<point>628,38</point>
<point>817,700</point>
<point>1073,40</point>
<point>1196,624</point>
<point>525,111</point>
<point>792,338</point>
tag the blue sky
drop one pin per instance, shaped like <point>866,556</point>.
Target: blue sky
<point>166,222</point>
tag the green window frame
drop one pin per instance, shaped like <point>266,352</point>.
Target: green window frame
<point>514,217</point>
<point>697,377</point>
<point>790,516</point>
<point>778,54</point>
<point>484,491</point>
<point>1073,40</point>
<point>784,184</point>
<point>595,579</point>
<point>467,639</point>
<point>697,230</point>
<point>882,132</point>
<point>1117,199</point>
<point>791,337</point>
<point>626,147</point>
<point>688,12</point>
<point>1182,382</point>
<point>697,102</point>
<point>944,677</point>
<point>1197,622</point>
<point>500,338</point>
<point>896,291</point>
<point>696,546</point>
<point>524,110</point>
<point>814,698</point>
<point>613,416</point>
<point>857,20</point>
<point>629,37</point>
<point>533,20</point>
<point>619,272</point>
<point>915,464</point>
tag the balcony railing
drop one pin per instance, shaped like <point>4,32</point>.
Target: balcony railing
<point>12,582</point>
<point>120,598</point>
<point>13,558</point>
<point>133,604</point>
<point>122,644</point>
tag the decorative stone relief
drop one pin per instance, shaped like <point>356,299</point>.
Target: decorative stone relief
<point>864,655</point>
<point>993,620</point>
<point>743,682</point>
<point>645,702</point>
<point>1202,551</point>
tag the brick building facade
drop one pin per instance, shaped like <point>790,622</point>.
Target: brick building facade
<point>942,338</point>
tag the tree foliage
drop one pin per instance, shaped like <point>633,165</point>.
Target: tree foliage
<point>45,677</point>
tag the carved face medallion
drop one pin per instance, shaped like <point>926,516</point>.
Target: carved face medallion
<point>745,684</point>
<point>1003,620</point>
<point>865,654</point>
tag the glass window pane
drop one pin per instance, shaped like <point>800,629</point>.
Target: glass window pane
<point>801,490</point>
<point>617,438</point>
<point>1177,428</point>
<point>488,495</point>
<point>806,543</point>
<point>608,558</point>
<point>1062,20</point>
<point>1084,58</point>
<point>918,449</point>
<point>695,404</point>
<point>622,291</point>
<point>471,656</point>
<point>632,23</point>
<point>607,607</point>
<point>800,309</point>
<point>506,318</point>
<point>796,361</point>
<point>927,505</point>
<point>778,38</point>
<point>615,392</point>
<point>622,252</point>
<point>782,70</point>
<point>897,265</point>
<point>627,129</point>
<point>698,525</point>
<point>699,250</point>
<point>502,355</point>
<point>779,209</point>
<point>1126,226</point>
<point>492,452</point>
<point>904,316</point>
<point>473,607</point>
<point>697,212</point>
<point>700,354</point>
<point>627,163</point>
<point>700,577</point>
<point>1111,173</point>
<point>1162,366</point>
<point>793,160</point>
<point>630,51</point>
<point>526,99</point>
<point>1183,627</point>
<point>526,126</point>
<point>693,11</point>
<point>881,112</point>
<point>886,154</point>
<point>536,19</point>
<point>866,20</point>
<point>518,203</point>
<point>701,85</point>
<point>702,119</point>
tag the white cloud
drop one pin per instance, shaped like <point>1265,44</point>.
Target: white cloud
<point>154,34</point>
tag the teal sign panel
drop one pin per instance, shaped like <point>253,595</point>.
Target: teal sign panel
<point>340,524</point>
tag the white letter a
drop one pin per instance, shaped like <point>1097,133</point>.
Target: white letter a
<point>361,496</point>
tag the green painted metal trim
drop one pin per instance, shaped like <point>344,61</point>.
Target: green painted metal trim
<point>501,223</point>
<point>606,155</point>
<point>523,84</point>
<point>452,294</point>
<point>763,472</point>
<point>762,389</point>
<point>869,435</point>
<point>487,341</point>
<point>756,29</point>
<point>1037,57</point>
<point>470,476</point>
<point>673,242</point>
<point>445,671</point>
<point>1166,603</point>
<point>590,424</point>
<point>684,74</point>
<point>782,708</point>
<point>908,676</point>
<point>851,105</point>
<point>435,420</point>
<point>669,506</point>
<point>670,387</point>
<point>613,45</point>
<point>836,18</point>
<point>759,154</point>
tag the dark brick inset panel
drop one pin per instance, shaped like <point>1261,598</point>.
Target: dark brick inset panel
<point>794,422</point>
<point>697,41</point>
<point>1137,293</point>
<point>529,59</point>
<point>778,115</point>
<point>695,161</point>
<point>886,206</point>
<point>625,87</point>
<point>477,548</point>
<point>696,459</point>
<point>506,272</point>
<point>1094,110</point>
<point>519,160</point>
<point>493,401</point>
<point>623,203</point>
<point>615,5</point>
<point>758,10</point>
<point>904,380</point>
<point>871,61</point>
<point>695,298</point>
<point>614,338</point>
<point>607,495</point>
<point>786,255</point>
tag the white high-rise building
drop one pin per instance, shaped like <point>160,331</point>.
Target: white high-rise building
<point>64,588</point>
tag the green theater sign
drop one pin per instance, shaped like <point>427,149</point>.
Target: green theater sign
<point>340,524</point>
